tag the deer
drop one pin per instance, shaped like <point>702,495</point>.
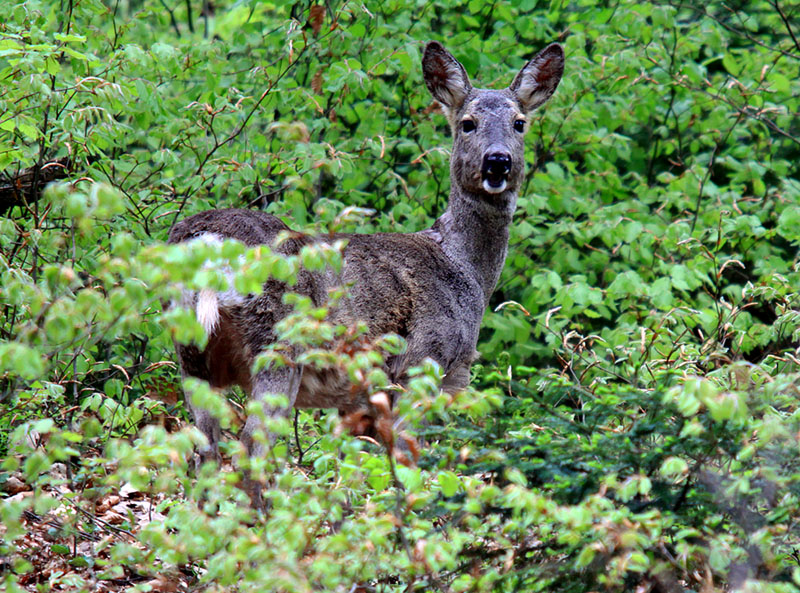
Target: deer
<point>430,287</point>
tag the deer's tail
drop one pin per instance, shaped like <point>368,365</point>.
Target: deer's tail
<point>207,310</point>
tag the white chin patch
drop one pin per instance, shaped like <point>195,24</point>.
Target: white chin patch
<point>492,189</point>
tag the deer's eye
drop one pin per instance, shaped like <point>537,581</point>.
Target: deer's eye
<point>467,126</point>
<point>519,125</point>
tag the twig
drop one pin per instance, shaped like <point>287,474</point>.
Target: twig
<point>94,518</point>
<point>171,18</point>
<point>400,500</point>
<point>786,22</point>
<point>300,451</point>
<point>717,146</point>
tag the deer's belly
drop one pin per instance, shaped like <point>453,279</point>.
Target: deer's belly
<point>329,388</point>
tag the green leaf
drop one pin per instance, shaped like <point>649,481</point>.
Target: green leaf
<point>69,38</point>
<point>731,63</point>
<point>21,360</point>
<point>449,483</point>
<point>789,222</point>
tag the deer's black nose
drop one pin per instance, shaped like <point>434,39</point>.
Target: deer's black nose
<point>496,165</point>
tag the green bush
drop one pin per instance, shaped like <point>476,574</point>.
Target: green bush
<point>633,423</point>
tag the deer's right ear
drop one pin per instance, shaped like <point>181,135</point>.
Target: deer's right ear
<point>445,77</point>
<point>538,79</point>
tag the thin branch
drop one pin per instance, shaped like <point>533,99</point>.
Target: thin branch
<point>399,507</point>
<point>717,146</point>
<point>189,15</point>
<point>786,22</point>
<point>172,20</point>
<point>739,32</point>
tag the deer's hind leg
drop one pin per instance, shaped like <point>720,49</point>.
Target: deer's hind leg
<point>193,364</point>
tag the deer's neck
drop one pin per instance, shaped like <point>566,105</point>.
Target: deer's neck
<point>473,233</point>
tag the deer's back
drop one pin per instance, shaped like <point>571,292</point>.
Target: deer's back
<point>251,227</point>
<point>397,281</point>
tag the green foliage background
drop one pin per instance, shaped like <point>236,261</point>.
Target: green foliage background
<point>635,421</point>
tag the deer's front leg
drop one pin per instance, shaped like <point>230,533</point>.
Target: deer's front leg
<point>280,381</point>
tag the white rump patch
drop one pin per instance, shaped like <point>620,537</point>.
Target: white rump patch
<point>210,239</point>
<point>210,301</point>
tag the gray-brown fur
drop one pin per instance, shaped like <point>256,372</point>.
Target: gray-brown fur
<point>431,287</point>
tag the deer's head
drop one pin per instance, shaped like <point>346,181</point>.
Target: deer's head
<point>489,125</point>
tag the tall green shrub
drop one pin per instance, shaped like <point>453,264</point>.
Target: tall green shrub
<point>633,424</point>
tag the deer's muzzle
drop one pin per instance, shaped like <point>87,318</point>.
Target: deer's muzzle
<point>495,170</point>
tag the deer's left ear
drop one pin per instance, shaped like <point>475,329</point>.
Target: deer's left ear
<point>538,79</point>
<point>445,77</point>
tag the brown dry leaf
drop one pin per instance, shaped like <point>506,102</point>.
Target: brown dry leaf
<point>163,390</point>
<point>475,569</point>
<point>412,444</point>
<point>358,423</point>
<point>34,547</point>
<point>105,504</point>
<point>419,552</point>
<point>163,584</point>
<point>508,564</point>
<point>113,518</point>
<point>706,579</point>
<point>300,132</point>
<point>14,485</point>
<point>384,429</point>
<point>146,517</point>
<point>86,548</point>
<point>128,490</point>
<point>316,82</point>
<point>20,496</point>
<point>381,402</point>
<point>316,15</point>
<point>402,458</point>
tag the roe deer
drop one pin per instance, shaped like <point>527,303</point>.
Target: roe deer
<point>430,287</point>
